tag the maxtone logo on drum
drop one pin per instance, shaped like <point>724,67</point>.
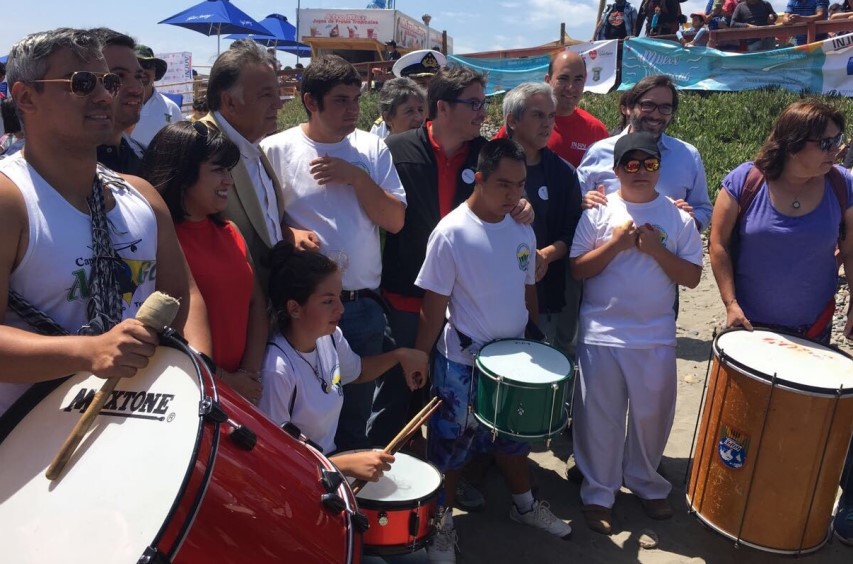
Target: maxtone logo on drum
<point>126,403</point>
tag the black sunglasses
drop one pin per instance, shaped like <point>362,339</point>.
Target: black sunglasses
<point>147,64</point>
<point>632,166</point>
<point>475,104</point>
<point>83,83</point>
<point>827,144</point>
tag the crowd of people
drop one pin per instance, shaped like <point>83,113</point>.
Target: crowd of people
<point>622,20</point>
<point>334,274</point>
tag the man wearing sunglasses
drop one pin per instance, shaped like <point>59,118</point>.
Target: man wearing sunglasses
<point>78,243</point>
<point>158,111</point>
<point>121,153</point>
<point>631,254</point>
<point>650,106</point>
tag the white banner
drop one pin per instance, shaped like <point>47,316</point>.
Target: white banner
<point>179,75</point>
<point>355,24</point>
<point>838,65</point>
<point>600,58</point>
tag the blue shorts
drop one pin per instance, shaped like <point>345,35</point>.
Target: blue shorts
<point>454,433</point>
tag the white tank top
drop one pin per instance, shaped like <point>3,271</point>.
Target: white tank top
<point>54,272</point>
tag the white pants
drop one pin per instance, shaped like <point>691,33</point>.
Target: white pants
<point>611,378</point>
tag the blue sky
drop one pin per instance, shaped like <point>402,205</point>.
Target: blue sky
<point>475,25</point>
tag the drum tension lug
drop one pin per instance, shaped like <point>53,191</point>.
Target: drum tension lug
<point>243,437</point>
<point>153,556</point>
<point>211,411</point>
<point>414,524</point>
<point>333,502</point>
<point>360,521</point>
<point>331,479</point>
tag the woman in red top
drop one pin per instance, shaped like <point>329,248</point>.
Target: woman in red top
<point>190,165</point>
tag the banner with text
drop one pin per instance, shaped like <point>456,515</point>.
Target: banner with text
<point>179,75</point>
<point>825,66</point>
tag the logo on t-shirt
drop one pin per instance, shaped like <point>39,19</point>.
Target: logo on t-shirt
<point>522,254</point>
<point>661,233</point>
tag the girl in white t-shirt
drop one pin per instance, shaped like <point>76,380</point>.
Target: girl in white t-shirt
<point>308,361</point>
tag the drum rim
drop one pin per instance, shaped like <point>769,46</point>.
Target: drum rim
<point>557,430</point>
<point>378,504</point>
<point>534,386</point>
<point>780,382</point>
<point>786,552</point>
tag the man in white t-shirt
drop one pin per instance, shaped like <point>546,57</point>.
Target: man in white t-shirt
<point>340,186</point>
<point>480,269</point>
<point>158,111</point>
<point>631,254</point>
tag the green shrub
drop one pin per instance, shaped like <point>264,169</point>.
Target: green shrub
<point>726,127</point>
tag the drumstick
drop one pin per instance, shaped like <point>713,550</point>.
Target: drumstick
<point>403,436</point>
<point>156,312</point>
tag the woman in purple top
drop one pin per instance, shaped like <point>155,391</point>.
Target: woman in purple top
<point>783,273</point>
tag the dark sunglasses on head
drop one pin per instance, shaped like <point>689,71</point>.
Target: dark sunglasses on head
<point>827,144</point>
<point>83,83</point>
<point>632,166</point>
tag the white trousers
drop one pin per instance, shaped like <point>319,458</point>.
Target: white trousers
<point>615,382</point>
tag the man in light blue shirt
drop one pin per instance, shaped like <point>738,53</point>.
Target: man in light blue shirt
<point>650,106</point>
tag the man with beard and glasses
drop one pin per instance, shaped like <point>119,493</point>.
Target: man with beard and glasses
<point>340,187</point>
<point>65,221</point>
<point>651,106</point>
<point>121,153</point>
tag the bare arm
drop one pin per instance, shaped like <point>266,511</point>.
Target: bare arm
<point>173,273</point>
<point>679,270</point>
<point>28,357</point>
<point>414,363</point>
<point>592,263</point>
<point>719,247</point>
<point>257,331</point>
<point>382,208</point>
<point>365,465</point>
<point>431,320</point>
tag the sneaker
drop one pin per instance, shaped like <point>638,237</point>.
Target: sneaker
<point>842,524</point>
<point>442,548</point>
<point>468,498</point>
<point>542,518</point>
<point>658,509</point>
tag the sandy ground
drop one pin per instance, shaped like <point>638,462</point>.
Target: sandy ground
<point>491,537</point>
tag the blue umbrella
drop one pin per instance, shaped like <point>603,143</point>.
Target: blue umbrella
<point>4,58</point>
<point>281,35</point>
<point>215,17</point>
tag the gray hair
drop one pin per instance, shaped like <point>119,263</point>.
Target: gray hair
<point>225,74</point>
<point>395,92</point>
<point>28,57</point>
<point>515,101</point>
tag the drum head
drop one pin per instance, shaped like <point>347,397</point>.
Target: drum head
<point>119,486</point>
<point>799,363</point>
<point>410,479</point>
<point>524,361</point>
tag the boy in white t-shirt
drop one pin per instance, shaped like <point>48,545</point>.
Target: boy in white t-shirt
<point>630,253</point>
<point>480,269</point>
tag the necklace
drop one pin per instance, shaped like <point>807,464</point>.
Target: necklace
<point>317,371</point>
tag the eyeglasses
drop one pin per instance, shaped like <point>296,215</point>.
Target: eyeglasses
<point>475,104</point>
<point>827,144</point>
<point>648,107</point>
<point>83,83</point>
<point>651,164</point>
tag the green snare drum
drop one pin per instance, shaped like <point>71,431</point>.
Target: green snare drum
<point>522,387</point>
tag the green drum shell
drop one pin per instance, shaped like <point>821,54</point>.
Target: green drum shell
<point>528,412</point>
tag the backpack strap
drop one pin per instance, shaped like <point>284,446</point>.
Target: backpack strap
<point>839,188</point>
<point>293,395</point>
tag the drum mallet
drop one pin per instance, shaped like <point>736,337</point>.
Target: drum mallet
<point>157,312</point>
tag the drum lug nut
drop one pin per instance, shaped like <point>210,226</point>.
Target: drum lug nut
<point>360,522</point>
<point>414,524</point>
<point>331,480</point>
<point>211,411</point>
<point>383,519</point>
<point>243,437</point>
<point>333,502</point>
